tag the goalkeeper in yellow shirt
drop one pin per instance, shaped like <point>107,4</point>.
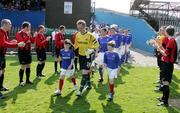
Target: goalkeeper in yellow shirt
<point>86,44</point>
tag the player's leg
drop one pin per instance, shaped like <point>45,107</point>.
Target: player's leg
<point>21,74</point>
<point>38,70</point>
<point>55,65</point>
<point>119,68</point>
<point>2,70</point>
<point>123,54</point>
<point>42,68</point>
<point>76,63</point>
<point>28,72</point>
<point>87,70</point>
<point>111,88</point>
<point>70,74</point>
<point>1,79</point>
<point>101,72</point>
<point>41,56</point>
<point>61,82</point>
<point>112,73</point>
<point>57,52</point>
<point>76,60</point>
<point>3,88</point>
<point>127,54</point>
<point>159,81</point>
<point>167,70</point>
<point>83,66</point>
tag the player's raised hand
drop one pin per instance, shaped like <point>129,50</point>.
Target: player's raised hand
<point>48,38</point>
<point>29,33</point>
<point>35,34</point>
<point>158,41</point>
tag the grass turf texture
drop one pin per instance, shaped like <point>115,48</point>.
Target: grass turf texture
<point>134,92</point>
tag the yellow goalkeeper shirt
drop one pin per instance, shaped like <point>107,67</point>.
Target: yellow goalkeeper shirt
<point>85,41</point>
<point>161,37</point>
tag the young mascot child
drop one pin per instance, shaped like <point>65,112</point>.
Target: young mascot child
<point>112,62</point>
<point>67,69</point>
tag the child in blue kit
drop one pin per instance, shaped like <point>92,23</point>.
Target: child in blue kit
<point>112,61</point>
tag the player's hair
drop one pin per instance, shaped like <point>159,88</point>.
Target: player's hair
<point>68,41</point>
<point>104,29</point>
<point>26,24</point>
<point>163,27</point>
<point>61,27</point>
<point>170,30</point>
<point>5,21</point>
<point>81,22</point>
<point>40,27</point>
<point>111,43</point>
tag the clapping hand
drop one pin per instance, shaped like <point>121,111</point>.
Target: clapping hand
<point>48,38</point>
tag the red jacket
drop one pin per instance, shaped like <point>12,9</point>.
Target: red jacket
<point>23,37</point>
<point>59,40</point>
<point>41,41</point>
<point>74,36</point>
<point>5,43</point>
<point>170,49</point>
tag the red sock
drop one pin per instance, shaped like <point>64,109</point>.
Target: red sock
<point>61,82</point>
<point>111,87</point>
<point>74,81</point>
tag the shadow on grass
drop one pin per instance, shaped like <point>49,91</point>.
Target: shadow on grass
<point>102,89</point>
<point>16,91</point>
<point>80,104</point>
<point>51,80</point>
<point>112,107</point>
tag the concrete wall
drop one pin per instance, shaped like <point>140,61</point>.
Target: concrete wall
<point>139,28</point>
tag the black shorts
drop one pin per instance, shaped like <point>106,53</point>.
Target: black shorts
<point>159,61</point>
<point>76,51</point>
<point>2,62</point>
<point>167,71</point>
<point>57,52</point>
<point>24,57</point>
<point>84,62</point>
<point>41,54</point>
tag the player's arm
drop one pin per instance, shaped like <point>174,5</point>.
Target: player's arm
<point>94,44</point>
<point>105,60</point>
<point>61,43</point>
<point>56,40</point>
<point>118,60</point>
<point>7,44</point>
<point>76,45</point>
<point>161,50</point>
<point>72,60</point>
<point>38,41</point>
